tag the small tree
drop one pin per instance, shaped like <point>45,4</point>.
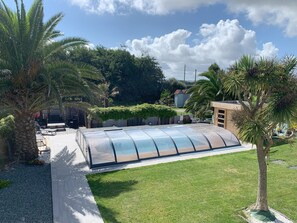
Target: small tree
<point>267,92</point>
<point>166,98</point>
<point>172,84</point>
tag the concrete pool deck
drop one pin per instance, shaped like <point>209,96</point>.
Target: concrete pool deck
<point>73,200</point>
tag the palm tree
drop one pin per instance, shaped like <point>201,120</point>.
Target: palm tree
<point>105,94</point>
<point>31,76</point>
<point>267,92</point>
<point>207,89</point>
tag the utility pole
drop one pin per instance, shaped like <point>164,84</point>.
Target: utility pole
<point>195,75</point>
<point>185,73</point>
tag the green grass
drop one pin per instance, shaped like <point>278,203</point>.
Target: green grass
<point>181,111</point>
<point>4,183</point>
<point>212,189</point>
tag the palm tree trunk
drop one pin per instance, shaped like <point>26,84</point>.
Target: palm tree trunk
<point>261,203</point>
<point>106,103</point>
<point>25,136</point>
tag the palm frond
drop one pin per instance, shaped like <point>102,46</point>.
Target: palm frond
<point>89,72</point>
<point>56,46</point>
<point>208,89</point>
<point>29,70</point>
<point>50,26</point>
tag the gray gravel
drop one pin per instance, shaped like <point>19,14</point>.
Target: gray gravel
<point>29,197</point>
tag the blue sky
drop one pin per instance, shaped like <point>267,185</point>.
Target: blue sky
<point>178,32</point>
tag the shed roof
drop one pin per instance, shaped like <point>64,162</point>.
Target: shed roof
<point>230,105</point>
<point>179,91</point>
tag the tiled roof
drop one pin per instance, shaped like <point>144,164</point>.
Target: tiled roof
<point>179,91</point>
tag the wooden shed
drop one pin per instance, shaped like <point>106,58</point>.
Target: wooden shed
<point>223,112</point>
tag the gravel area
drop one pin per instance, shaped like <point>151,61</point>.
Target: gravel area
<point>280,162</point>
<point>280,218</point>
<point>29,196</point>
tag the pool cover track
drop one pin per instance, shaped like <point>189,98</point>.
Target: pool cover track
<point>107,146</point>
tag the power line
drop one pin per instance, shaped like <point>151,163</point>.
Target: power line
<point>185,73</point>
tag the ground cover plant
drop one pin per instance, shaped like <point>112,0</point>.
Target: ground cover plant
<point>4,183</point>
<point>212,189</point>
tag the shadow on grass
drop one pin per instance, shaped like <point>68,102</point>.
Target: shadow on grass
<point>108,214</point>
<point>108,189</point>
<point>280,141</point>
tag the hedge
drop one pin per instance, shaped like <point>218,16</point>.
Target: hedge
<point>139,111</point>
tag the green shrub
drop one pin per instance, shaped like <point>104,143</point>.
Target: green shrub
<point>7,126</point>
<point>4,183</point>
<point>115,113</point>
<point>280,141</point>
<point>7,134</point>
<point>139,111</point>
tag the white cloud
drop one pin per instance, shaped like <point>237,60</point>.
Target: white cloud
<point>90,46</point>
<point>97,6</point>
<point>222,43</point>
<point>160,7</point>
<point>268,51</point>
<point>273,12</point>
<point>82,3</point>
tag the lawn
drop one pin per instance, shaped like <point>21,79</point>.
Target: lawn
<point>181,111</point>
<point>212,189</point>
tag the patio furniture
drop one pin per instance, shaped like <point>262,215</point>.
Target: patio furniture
<point>58,126</point>
<point>49,132</point>
<point>41,144</point>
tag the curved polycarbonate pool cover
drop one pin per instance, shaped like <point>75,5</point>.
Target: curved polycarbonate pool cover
<point>106,146</point>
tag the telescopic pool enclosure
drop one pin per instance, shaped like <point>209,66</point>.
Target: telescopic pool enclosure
<point>107,146</point>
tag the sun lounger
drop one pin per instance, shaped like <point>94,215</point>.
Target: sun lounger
<point>49,132</point>
<point>41,144</point>
<point>58,126</point>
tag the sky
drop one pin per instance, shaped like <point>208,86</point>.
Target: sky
<point>182,32</point>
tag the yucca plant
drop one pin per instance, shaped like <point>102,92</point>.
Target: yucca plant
<point>267,92</point>
<point>31,75</point>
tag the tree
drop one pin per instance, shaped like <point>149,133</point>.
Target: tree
<point>31,77</point>
<point>207,89</point>
<point>149,79</point>
<point>137,79</point>
<point>267,92</point>
<point>172,84</point>
<point>166,98</point>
